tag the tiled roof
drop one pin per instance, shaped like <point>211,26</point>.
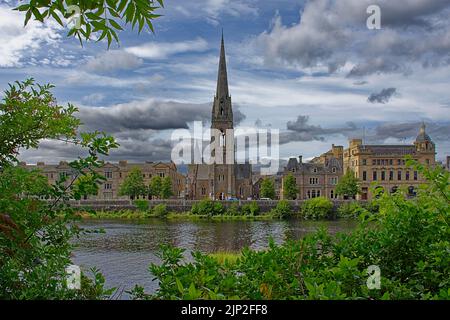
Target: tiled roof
<point>389,149</point>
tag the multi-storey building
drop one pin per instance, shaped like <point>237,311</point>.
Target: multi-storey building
<point>317,178</point>
<point>115,173</point>
<point>384,165</point>
<point>222,179</point>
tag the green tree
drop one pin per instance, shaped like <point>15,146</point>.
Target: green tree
<point>348,185</point>
<point>133,185</point>
<point>290,189</point>
<point>166,188</point>
<point>86,185</point>
<point>35,246</point>
<point>96,19</point>
<point>28,114</point>
<point>156,186</point>
<point>267,189</point>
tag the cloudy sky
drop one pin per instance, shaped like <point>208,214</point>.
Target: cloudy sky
<point>309,68</point>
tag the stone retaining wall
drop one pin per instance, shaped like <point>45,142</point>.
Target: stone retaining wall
<point>182,205</point>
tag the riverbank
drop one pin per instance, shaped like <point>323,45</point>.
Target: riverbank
<point>312,209</point>
<point>146,215</point>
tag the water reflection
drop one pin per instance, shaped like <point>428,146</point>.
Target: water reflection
<point>126,249</point>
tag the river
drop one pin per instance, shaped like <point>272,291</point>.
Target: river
<point>125,250</point>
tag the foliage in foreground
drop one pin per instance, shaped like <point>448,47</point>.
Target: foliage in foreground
<point>35,235</point>
<point>94,19</point>
<point>409,240</point>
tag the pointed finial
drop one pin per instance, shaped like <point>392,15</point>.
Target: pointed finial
<point>422,127</point>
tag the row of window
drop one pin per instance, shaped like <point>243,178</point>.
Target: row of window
<point>317,193</point>
<point>384,162</point>
<point>383,175</point>
<point>314,170</point>
<point>109,175</point>
<point>315,181</point>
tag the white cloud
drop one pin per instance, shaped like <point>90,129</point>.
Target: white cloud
<point>113,60</point>
<point>235,8</point>
<point>77,77</point>
<point>17,41</point>
<point>94,98</point>
<point>162,50</point>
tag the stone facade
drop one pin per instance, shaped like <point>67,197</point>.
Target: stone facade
<point>115,173</point>
<point>384,165</point>
<point>317,178</point>
<point>223,179</point>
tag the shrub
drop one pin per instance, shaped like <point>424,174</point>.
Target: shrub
<point>283,209</point>
<point>250,209</point>
<point>233,210</point>
<point>208,207</point>
<point>372,206</point>
<point>141,205</point>
<point>317,208</point>
<point>160,210</point>
<point>351,210</point>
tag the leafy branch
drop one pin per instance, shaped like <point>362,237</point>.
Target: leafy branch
<point>95,19</point>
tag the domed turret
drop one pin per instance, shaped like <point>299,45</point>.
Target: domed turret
<point>423,141</point>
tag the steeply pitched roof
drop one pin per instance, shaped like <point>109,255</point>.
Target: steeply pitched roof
<point>222,78</point>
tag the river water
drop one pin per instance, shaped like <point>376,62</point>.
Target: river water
<point>125,250</point>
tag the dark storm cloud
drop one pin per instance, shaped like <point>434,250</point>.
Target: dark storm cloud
<point>132,150</point>
<point>332,33</point>
<point>383,96</point>
<point>143,115</point>
<point>301,130</point>
<point>147,115</point>
<point>437,131</point>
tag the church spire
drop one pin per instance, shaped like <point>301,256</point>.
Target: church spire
<point>222,79</point>
<point>222,113</point>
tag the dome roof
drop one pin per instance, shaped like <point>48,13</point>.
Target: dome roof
<point>423,136</point>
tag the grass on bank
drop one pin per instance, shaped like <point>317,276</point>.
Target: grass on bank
<point>313,209</point>
<point>223,257</point>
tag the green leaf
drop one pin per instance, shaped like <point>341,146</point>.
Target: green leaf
<point>56,17</point>
<point>122,5</point>
<point>23,7</point>
<point>115,24</point>
<point>179,286</point>
<point>37,14</point>
<point>27,17</point>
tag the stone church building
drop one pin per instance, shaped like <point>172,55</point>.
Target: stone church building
<point>224,178</point>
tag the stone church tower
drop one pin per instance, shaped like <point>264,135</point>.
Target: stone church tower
<point>223,179</point>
